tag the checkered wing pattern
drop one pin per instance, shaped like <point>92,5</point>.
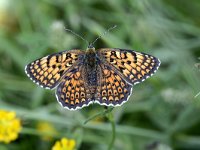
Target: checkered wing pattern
<point>134,66</point>
<point>49,70</point>
<point>73,92</point>
<point>112,89</point>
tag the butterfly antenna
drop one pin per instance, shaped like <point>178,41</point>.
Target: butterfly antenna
<point>108,30</point>
<point>77,35</point>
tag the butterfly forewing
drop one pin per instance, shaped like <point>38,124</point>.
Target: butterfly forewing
<point>112,89</point>
<point>135,66</point>
<point>48,71</point>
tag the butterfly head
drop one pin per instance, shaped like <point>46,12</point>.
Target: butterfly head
<point>90,48</point>
<point>91,45</point>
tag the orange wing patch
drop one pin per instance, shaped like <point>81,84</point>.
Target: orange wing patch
<point>112,89</point>
<point>72,92</point>
<point>48,70</point>
<point>134,66</point>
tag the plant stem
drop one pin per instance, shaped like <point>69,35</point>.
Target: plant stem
<point>101,114</point>
<point>108,113</point>
<point>111,119</point>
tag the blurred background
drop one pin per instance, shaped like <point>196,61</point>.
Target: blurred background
<point>163,112</point>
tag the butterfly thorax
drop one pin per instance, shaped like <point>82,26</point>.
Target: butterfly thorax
<point>90,57</point>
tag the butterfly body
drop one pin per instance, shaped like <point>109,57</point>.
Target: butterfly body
<point>104,76</point>
<point>91,67</point>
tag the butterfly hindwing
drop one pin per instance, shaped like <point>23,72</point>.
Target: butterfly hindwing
<point>73,93</point>
<point>135,66</point>
<point>112,89</point>
<point>48,71</point>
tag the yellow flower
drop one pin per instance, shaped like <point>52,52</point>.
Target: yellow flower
<point>64,144</point>
<point>10,126</point>
<point>46,128</point>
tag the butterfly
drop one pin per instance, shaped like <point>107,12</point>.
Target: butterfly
<point>104,76</point>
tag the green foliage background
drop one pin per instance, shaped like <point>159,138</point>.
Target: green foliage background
<point>162,112</point>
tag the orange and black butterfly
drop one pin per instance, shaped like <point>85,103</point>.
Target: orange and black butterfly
<point>104,76</point>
